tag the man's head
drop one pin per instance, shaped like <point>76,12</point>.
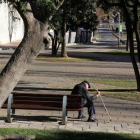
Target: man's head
<point>87,84</point>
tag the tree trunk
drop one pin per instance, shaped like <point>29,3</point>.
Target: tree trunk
<point>23,56</point>
<point>55,43</point>
<point>52,38</point>
<point>136,27</point>
<point>63,49</point>
<point>127,41</point>
<point>130,38</point>
<point>133,59</point>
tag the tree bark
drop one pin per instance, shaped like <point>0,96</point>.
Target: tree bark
<point>55,42</point>
<point>136,27</point>
<point>23,56</point>
<point>36,31</point>
<point>133,59</point>
<point>127,44</point>
<point>127,40</point>
<point>63,49</point>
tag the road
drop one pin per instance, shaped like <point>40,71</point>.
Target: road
<point>105,35</point>
<point>42,75</point>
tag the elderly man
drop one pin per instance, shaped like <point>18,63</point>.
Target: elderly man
<point>87,101</point>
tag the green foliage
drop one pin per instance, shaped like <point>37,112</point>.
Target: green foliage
<point>42,8</point>
<point>79,13</point>
<point>113,5</point>
<point>21,5</point>
<point>45,8</point>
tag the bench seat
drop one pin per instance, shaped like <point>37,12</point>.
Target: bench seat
<point>35,101</point>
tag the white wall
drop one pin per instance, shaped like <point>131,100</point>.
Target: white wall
<point>11,24</point>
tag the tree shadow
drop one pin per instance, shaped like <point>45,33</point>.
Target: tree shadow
<point>64,89</point>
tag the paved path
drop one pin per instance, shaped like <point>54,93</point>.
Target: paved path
<point>46,77</point>
<point>125,118</point>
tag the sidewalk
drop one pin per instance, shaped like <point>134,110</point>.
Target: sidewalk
<point>45,76</point>
<point>13,45</point>
<point>125,118</point>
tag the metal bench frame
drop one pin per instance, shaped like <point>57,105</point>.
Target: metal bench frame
<point>10,101</point>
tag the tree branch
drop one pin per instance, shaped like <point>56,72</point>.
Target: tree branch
<point>33,6</point>
<point>57,7</point>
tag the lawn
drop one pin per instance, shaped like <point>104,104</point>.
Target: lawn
<point>49,58</point>
<point>130,96</point>
<point>118,83</point>
<point>115,88</point>
<point>123,88</point>
<point>121,52</point>
<point>69,135</point>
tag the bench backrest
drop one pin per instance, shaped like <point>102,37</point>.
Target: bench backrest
<point>43,100</point>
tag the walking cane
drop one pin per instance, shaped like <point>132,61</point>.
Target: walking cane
<point>104,106</point>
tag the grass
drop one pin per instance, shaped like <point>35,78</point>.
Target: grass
<point>49,58</point>
<point>121,52</point>
<point>63,59</point>
<point>125,84</point>
<point>118,83</point>
<point>130,96</point>
<point>124,88</point>
<point>69,135</point>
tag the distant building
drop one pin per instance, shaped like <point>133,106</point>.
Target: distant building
<point>11,24</point>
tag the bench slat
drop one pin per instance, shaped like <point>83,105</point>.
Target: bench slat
<point>35,107</point>
<point>37,95</point>
<point>38,107</point>
<point>47,99</point>
<point>43,102</point>
<point>53,104</point>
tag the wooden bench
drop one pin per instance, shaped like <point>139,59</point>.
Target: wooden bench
<point>35,101</point>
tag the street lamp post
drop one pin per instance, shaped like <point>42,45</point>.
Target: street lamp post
<point>118,26</point>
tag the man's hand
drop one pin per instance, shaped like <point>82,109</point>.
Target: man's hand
<point>98,94</point>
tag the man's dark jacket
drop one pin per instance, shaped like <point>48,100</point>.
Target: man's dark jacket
<point>81,89</point>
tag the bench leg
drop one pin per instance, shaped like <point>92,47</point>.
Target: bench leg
<point>13,111</point>
<point>64,111</point>
<point>10,100</point>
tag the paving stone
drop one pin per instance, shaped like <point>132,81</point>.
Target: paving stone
<point>2,122</point>
<point>36,126</point>
<point>8,125</point>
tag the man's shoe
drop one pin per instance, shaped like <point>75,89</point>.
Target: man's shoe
<point>81,117</point>
<point>92,120</point>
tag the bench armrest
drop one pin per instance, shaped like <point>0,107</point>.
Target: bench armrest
<point>10,100</point>
<point>64,111</point>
